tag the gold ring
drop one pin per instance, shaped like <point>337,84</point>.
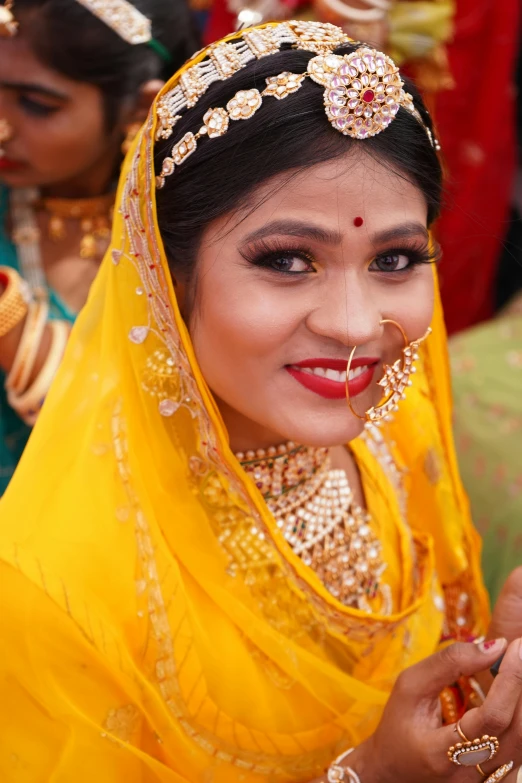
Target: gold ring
<point>472,753</point>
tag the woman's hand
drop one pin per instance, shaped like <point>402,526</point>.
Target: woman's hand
<point>410,744</point>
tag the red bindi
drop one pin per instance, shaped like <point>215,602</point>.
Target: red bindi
<point>358,222</point>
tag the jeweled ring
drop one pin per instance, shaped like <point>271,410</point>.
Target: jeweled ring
<point>471,753</point>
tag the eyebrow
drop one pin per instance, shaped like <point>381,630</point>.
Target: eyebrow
<point>32,87</point>
<point>404,231</point>
<point>297,228</point>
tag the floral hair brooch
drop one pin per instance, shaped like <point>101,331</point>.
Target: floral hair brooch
<point>363,93</point>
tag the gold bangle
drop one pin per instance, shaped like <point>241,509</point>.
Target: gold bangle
<point>27,351</point>
<point>500,773</point>
<point>28,405</point>
<point>337,773</point>
<point>14,300</point>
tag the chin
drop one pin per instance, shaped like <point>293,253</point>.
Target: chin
<point>320,430</point>
<point>16,179</point>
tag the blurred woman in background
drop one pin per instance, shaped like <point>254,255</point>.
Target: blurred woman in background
<point>76,81</point>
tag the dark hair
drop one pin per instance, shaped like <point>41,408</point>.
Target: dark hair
<point>283,135</point>
<point>71,40</point>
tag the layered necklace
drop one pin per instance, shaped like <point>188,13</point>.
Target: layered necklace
<point>94,215</point>
<point>314,507</point>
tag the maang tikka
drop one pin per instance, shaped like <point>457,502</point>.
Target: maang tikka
<point>363,90</point>
<point>395,379</point>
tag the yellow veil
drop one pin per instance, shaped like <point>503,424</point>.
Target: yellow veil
<point>155,626</point>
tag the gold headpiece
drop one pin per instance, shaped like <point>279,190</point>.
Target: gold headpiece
<point>363,90</point>
<point>8,24</point>
<point>122,17</point>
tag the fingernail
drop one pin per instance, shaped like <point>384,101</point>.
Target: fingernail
<point>492,644</point>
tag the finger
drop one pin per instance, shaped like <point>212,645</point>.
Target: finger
<point>506,616</point>
<point>427,678</point>
<point>498,711</point>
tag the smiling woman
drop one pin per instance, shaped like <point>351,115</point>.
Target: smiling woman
<point>224,567</point>
<point>74,87</point>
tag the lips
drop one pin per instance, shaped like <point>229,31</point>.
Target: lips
<point>327,377</point>
<point>6,164</point>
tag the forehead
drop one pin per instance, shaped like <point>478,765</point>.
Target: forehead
<point>335,192</point>
<point>19,64</point>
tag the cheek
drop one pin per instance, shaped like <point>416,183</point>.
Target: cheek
<point>412,306</point>
<point>239,329</point>
<point>64,142</point>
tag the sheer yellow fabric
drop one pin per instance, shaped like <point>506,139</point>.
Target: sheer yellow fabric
<point>155,625</point>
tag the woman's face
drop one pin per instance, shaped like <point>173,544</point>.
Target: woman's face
<point>57,125</point>
<point>285,290</point>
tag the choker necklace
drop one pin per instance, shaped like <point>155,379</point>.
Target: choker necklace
<point>94,214</point>
<point>23,203</point>
<point>314,508</point>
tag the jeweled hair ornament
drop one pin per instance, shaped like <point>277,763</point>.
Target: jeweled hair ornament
<point>363,91</point>
<point>120,15</point>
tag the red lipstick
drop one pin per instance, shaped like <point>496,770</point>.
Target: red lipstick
<point>327,387</point>
<point>6,164</point>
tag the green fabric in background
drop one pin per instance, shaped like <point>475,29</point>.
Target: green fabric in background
<point>487,382</point>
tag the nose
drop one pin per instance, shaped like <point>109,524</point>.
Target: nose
<point>347,313</point>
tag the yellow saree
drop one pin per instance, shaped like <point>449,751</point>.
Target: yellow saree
<point>155,624</point>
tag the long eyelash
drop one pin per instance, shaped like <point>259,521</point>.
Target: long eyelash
<point>420,254</point>
<point>264,252</point>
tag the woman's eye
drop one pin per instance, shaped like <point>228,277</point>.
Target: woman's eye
<point>290,263</point>
<point>391,263</point>
<point>36,108</point>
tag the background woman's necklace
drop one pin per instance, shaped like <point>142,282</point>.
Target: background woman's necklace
<point>95,214</point>
<point>313,505</point>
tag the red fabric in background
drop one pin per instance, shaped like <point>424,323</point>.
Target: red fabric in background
<point>476,127</point>
<point>221,22</point>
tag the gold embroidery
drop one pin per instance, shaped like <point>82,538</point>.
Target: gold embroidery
<point>122,723</point>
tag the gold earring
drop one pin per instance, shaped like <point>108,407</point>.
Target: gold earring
<point>8,24</point>
<point>395,380</point>
<point>132,132</point>
<point>6,134</point>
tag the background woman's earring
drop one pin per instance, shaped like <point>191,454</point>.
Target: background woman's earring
<point>8,24</point>
<point>6,133</point>
<point>395,380</point>
<point>132,132</point>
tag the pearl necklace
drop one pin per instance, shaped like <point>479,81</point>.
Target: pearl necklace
<point>314,508</point>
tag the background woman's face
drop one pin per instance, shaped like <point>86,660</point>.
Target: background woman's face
<point>58,125</point>
<point>286,289</point>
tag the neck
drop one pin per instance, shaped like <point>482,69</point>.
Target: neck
<point>245,434</point>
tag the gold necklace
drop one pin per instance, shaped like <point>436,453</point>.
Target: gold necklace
<point>314,508</point>
<point>94,214</point>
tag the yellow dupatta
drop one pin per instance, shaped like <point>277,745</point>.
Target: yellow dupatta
<point>155,625</point>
